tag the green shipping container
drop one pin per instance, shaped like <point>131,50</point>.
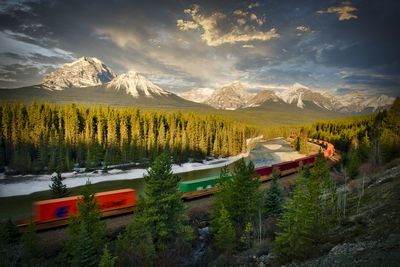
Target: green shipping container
<point>198,184</point>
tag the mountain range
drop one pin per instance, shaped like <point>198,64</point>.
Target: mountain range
<point>89,80</point>
<point>235,96</point>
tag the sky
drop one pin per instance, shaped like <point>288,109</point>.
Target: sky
<point>182,45</point>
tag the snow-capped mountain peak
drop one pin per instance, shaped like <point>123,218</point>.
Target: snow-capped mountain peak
<point>295,94</point>
<point>230,97</point>
<point>199,95</point>
<point>83,72</point>
<point>136,85</point>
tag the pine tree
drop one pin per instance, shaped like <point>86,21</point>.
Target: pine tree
<point>273,201</point>
<point>224,232</point>
<point>164,211</point>
<point>58,189</point>
<point>87,232</point>
<point>354,163</point>
<point>85,253</point>
<point>135,247</point>
<point>309,214</point>
<point>107,260</point>
<point>30,252</point>
<point>240,195</point>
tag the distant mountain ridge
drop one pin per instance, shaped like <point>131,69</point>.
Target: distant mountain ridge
<point>235,96</point>
<point>89,80</point>
<point>102,85</point>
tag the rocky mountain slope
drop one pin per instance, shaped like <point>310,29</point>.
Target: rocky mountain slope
<point>262,97</point>
<point>88,80</point>
<point>236,96</point>
<point>230,97</point>
<point>103,85</point>
<point>83,72</point>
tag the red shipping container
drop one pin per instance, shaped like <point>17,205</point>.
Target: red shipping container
<point>116,199</point>
<point>55,209</point>
<point>62,208</point>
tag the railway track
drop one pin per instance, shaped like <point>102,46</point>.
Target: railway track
<point>264,174</point>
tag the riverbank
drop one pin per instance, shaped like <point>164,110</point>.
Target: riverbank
<point>27,184</point>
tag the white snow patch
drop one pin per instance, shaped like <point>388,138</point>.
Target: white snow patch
<point>273,146</point>
<point>73,179</point>
<point>288,156</point>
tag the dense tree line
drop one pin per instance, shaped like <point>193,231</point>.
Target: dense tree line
<point>374,138</point>
<point>40,137</point>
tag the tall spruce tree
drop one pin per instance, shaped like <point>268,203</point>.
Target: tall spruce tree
<point>164,211</point>
<point>87,232</point>
<point>309,214</point>
<point>135,246</point>
<point>273,201</point>
<point>239,195</point>
<point>224,233</point>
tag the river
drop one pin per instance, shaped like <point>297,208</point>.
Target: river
<point>262,154</point>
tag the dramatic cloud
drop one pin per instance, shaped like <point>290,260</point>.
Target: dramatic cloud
<point>303,28</point>
<point>182,45</point>
<point>214,35</point>
<point>344,12</point>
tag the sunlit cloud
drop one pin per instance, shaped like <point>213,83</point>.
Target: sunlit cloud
<point>344,12</point>
<point>303,28</point>
<point>122,38</point>
<point>253,5</point>
<point>248,46</point>
<point>213,34</point>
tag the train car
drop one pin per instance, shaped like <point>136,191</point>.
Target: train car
<point>199,187</point>
<point>309,161</point>
<point>55,209</point>
<point>264,173</point>
<point>59,210</point>
<point>116,201</point>
<point>286,168</point>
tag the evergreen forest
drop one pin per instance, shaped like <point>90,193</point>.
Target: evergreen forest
<point>43,137</point>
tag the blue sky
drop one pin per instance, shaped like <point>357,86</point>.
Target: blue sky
<point>182,45</point>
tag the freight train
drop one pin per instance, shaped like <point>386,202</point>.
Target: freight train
<point>56,212</point>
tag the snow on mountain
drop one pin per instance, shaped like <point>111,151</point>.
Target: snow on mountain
<point>136,85</point>
<point>229,97</point>
<point>87,71</point>
<point>83,72</point>
<point>299,94</point>
<point>199,95</point>
<point>234,96</point>
<point>357,101</point>
<point>353,102</point>
<point>262,97</point>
